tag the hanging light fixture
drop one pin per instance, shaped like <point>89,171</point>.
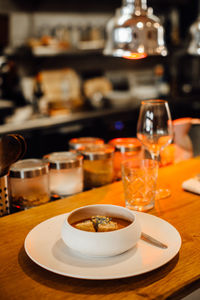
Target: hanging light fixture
<point>134,32</point>
<point>194,46</point>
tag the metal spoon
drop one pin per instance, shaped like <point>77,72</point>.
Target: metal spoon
<point>149,239</point>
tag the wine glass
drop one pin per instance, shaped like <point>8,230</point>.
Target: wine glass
<point>155,131</point>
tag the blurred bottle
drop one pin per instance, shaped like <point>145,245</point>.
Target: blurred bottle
<point>162,86</point>
<point>37,93</point>
<point>95,33</point>
<point>10,88</point>
<point>2,63</point>
<point>85,32</point>
<point>175,24</point>
<point>75,36</point>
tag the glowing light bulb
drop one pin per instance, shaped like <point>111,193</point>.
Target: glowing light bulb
<point>135,56</point>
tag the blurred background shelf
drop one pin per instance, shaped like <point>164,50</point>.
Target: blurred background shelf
<point>40,36</point>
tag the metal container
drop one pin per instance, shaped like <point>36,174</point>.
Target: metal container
<point>66,173</point>
<point>4,198</point>
<point>77,143</point>
<point>97,165</point>
<point>125,148</point>
<point>29,183</point>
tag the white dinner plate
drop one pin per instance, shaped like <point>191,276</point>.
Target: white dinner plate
<point>45,247</point>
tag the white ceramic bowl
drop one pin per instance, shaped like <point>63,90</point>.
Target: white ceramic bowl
<point>101,243</point>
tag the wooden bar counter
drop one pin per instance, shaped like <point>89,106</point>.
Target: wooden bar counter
<point>20,278</point>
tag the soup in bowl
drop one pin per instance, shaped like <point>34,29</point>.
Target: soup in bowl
<point>101,230</point>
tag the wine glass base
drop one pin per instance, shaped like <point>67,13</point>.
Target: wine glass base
<point>162,193</point>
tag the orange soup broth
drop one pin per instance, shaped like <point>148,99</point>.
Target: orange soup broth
<point>121,223</point>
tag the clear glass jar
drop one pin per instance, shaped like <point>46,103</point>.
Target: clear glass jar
<point>97,165</point>
<point>66,173</point>
<point>77,143</point>
<point>29,183</point>
<point>125,148</point>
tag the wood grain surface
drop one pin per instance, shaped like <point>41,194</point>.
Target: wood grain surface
<point>20,278</point>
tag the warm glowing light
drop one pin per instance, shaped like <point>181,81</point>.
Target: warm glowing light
<point>156,25</point>
<point>148,24</point>
<point>135,56</point>
<point>140,49</point>
<point>140,25</point>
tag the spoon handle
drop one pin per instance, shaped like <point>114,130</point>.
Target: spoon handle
<point>149,239</point>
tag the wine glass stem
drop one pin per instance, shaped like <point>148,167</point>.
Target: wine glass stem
<point>156,157</point>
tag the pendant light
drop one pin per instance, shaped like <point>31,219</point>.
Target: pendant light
<point>134,32</point>
<point>194,46</point>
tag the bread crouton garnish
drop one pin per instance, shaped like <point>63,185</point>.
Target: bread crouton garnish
<point>86,225</point>
<point>97,224</point>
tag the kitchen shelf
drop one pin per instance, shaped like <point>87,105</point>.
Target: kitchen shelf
<point>45,51</point>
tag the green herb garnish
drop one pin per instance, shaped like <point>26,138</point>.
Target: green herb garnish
<point>97,220</point>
